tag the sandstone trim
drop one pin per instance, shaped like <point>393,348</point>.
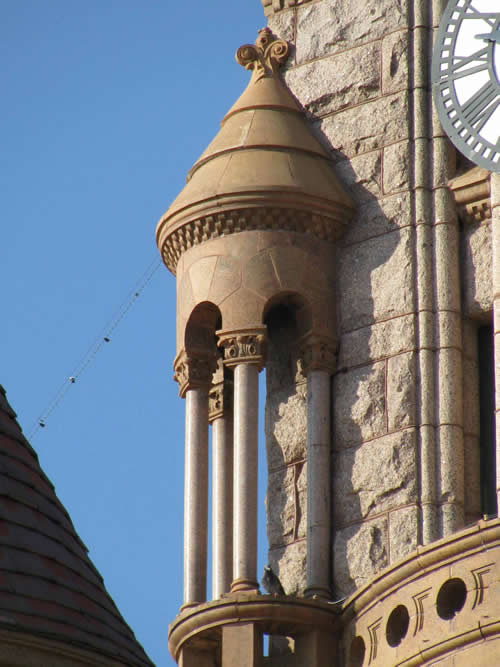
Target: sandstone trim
<point>214,226</point>
<point>472,195</point>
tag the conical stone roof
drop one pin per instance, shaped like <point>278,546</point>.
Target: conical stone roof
<point>264,163</point>
<point>52,598</point>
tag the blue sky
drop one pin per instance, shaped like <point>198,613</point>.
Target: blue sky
<point>106,106</point>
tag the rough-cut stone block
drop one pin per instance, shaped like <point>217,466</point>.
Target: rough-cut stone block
<point>379,475</point>
<point>377,217</point>
<point>290,564</point>
<point>333,83</point>
<point>359,552</point>
<point>401,394</point>
<point>286,426</point>
<point>376,280</point>
<point>286,505</point>
<point>403,532</point>
<point>359,405</point>
<point>363,175</point>
<point>395,62</point>
<point>366,127</point>
<point>283,26</point>
<point>396,167</point>
<point>377,341</point>
<point>477,262</point>
<point>345,24</point>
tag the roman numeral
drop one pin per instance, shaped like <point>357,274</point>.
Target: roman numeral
<point>458,63</point>
<point>489,17</point>
<point>481,106</point>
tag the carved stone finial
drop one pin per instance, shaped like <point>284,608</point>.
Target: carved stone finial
<point>244,346</point>
<point>193,371</point>
<point>265,57</point>
<point>317,353</point>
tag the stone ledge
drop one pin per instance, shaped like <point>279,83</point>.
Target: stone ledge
<point>201,626</point>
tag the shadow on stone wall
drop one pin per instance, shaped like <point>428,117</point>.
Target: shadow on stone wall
<point>369,476</point>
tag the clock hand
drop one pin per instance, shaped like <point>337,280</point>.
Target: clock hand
<point>490,36</point>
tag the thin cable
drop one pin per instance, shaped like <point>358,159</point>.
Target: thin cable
<point>101,339</point>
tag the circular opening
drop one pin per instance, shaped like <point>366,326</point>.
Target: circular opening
<point>397,625</point>
<point>357,652</point>
<point>451,598</point>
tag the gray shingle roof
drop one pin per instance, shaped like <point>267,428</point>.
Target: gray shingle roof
<point>48,585</point>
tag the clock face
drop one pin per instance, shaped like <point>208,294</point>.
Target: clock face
<point>465,78</point>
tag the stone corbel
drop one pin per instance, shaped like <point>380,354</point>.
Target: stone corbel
<point>193,370</point>
<point>472,195</point>
<point>317,352</point>
<point>244,346</point>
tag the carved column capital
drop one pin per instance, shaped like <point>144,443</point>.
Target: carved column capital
<point>220,396</point>
<point>244,346</point>
<point>193,370</point>
<point>317,352</point>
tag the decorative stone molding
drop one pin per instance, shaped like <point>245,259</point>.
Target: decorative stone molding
<point>472,195</point>
<point>317,353</point>
<point>273,6</point>
<point>193,370</point>
<point>266,57</point>
<point>209,227</point>
<point>243,346</point>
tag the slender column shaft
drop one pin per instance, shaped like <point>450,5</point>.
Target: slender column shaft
<point>246,401</point>
<point>222,506</point>
<point>495,226</point>
<point>318,483</point>
<point>196,496</point>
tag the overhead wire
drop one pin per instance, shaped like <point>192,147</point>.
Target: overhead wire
<point>102,338</point>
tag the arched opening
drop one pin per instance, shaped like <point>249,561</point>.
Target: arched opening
<point>199,336</point>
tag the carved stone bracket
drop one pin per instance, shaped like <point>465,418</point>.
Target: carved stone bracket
<point>266,57</point>
<point>317,353</point>
<point>193,370</point>
<point>244,346</point>
<point>472,193</point>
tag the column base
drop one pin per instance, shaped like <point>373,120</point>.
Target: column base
<point>243,585</point>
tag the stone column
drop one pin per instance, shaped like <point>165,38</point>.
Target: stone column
<point>495,228</point>
<point>221,417</point>
<point>318,360</point>
<point>244,353</point>
<point>194,375</point>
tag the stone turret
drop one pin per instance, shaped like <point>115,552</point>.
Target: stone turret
<point>251,239</point>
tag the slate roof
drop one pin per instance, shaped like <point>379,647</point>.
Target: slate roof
<point>48,585</point>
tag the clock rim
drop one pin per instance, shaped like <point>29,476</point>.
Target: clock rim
<point>444,119</point>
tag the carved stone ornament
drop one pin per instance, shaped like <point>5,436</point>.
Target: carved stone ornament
<point>317,353</point>
<point>472,192</point>
<point>193,371</point>
<point>210,227</point>
<point>220,400</point>
<point>244,346</point>
<point>265,57</point>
